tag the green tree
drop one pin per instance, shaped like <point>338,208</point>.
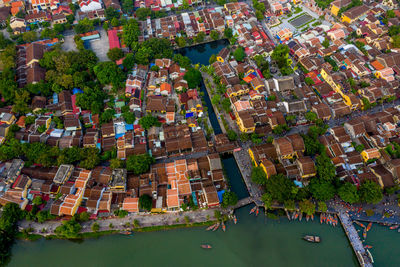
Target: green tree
<point>91,99</point>
<point>145,202</point>
<point>325,43</point>
<point>348,193</point>
<point>309,81</point>
<point>111,13</point>
<point>326,170</point>
<point>321,189</point>
<point>95,227</point>
<point>322,207</point>
<point>109,73</point>
<point>311,116</point>
<point>307,207</point>
<point>116,163</point>
<point>21,99</point>
<point>127,6</point>
<point>180,41</point>
<point>289,204</point>
<point>228,33</point>
<point>280,188</point>
<point>229,198</point>
<point>370,192</point>
<point>232,135</point>
<point>129,61</point>
<point>239,54</point>
<point>214,35</point>
<point>267,200</point>
<point>69,229</point>
<point>212,59</point>
<point>193,78</point>
<point>139,164</point>
<point>142,13</point>
<point>149,121</point>
<point>131,33</point>
<point>258,175</point>
<point>115,53</point>
<point>200,37</point>
<point>37,201</point>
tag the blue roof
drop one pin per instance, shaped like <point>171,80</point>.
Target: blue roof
<point>220,193</point>
<point>76,91</point>
<point>128,127</point>
<point>55,98</point>
<point>189,114</point>
<point>119,135</point>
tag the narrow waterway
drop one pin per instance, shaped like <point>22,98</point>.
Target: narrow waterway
<point>254,241</point>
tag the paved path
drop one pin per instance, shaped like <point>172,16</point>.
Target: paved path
<point>354,239</point>
<point>144,219</point>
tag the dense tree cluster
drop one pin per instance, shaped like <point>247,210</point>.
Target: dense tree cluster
<point>10,216</point>
<point>139,164</point>
<point>281,56</point>
<point>47,156</point>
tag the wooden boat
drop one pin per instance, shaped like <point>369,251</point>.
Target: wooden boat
<point>369,226</point>
<point>360,224</point>
<point>216,227</point>
<point>321,218</point>
<point>312,217</point>
<point>253,210</point>
<point>301,216</point>
<point>287,214</point>
<point>210,227</point>
<point>394,227</point>
<point>126,233</point>
<point>223,227</point>
<point>367,246</point>
<point>234,219</point>
<point>307,217</point>
<point>296,216</point>
<point>206,246</point>
<point>365,234</point>
<point>370,256</point>
<point>257,211</point>
<point>312,239</point>
<point>293,215</point>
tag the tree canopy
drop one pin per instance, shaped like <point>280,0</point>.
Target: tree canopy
<point>193,78</point>
<point>348,192</point>
<point>229,198</point>
<point>149,121</point>
<point>280,188</point>
<point>109,73</point>
<point>370,192</point>
<point>139,164</point>
<point>258,175</point>
<point>239,54</point>
<point>145,202</point>
<point>322,189</point>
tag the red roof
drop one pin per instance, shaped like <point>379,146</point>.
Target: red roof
<point>113,39</point>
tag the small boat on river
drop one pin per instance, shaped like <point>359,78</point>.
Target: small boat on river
<point>367,246</point>
<point>223,227</point>
<point>360,224</point>
<point>312,217</point>
<point>210,227</point>
<point>234,219</point>
<point>321,218</point>
<point>253,210</point>
<point>301,216</point>
<point>394,227</point>
<point>126,233</point>
<point>216,227</point>
<point>365,234</point>
<point>257,211</point>
<point>312,238</point>
<point>369,226</point>
<point>206,246</point>
<point>307,217</point>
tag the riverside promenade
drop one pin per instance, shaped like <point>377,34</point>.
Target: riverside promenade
<point>354,239</point>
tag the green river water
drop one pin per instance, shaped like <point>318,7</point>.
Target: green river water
<point>254,241</point>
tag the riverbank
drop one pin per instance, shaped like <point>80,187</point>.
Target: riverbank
<point>253,240</point>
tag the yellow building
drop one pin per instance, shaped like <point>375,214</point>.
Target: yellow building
<point>245,122</point>
<point>354,13</point>
<point>268,167</point>
<point>371,153</point>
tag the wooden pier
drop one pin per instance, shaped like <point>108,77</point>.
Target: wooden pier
<point>354,238</point>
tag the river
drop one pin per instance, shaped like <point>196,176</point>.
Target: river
<point>254,241</point>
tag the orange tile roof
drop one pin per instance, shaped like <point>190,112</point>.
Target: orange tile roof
<point>172,198</point>
<point>131,204</point>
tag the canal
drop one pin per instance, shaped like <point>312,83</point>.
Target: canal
<point>254,241</point>
<point>200,54</point>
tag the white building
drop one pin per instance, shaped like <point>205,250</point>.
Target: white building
<point>89,5</point>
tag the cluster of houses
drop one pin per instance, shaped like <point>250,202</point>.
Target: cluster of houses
<point>361,149</point>
<point>68,190</point>
<point>53,11</point>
